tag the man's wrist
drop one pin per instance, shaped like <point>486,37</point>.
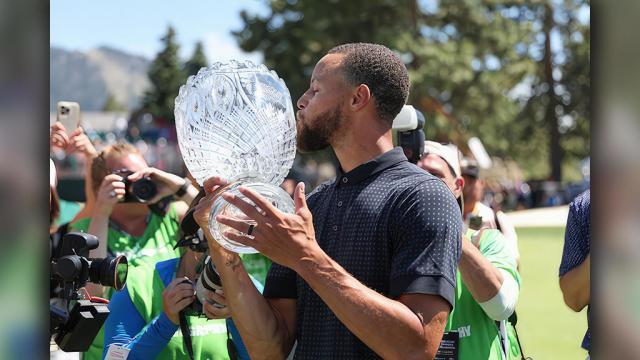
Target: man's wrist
<point>182,189</point>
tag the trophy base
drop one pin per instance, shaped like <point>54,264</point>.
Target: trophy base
<point>274,194</point>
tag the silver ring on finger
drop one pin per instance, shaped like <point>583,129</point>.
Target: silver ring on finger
<point>112,194</point>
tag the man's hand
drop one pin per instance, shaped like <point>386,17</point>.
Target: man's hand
<point>176,297</point>
<point>283,238</point>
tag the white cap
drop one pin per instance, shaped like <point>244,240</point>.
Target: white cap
<point>448,152</point>
<point>52,173</point>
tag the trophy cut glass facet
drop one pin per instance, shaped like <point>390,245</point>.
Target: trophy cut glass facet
<point>235,120</point>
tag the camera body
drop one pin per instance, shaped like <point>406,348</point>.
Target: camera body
<point>409,123</point>
<point>75,329</point>
<point>142,190</point>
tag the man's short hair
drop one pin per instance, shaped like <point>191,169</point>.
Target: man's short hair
<point>381,70</point>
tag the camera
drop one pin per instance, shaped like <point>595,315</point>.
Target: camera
<point>192,236</point>
<point>141,191</point>
<point>75,329</point>
<point>409,123</point>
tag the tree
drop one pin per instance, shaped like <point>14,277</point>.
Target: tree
<point>113,105</point>
<point>166,77</point>
<point>469,62</point>
<point>198,60</point>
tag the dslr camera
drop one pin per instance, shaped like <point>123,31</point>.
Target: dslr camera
<point>192,236</point>
<point>409,123</point>
<point>141,191</point>
<point>74,321</point>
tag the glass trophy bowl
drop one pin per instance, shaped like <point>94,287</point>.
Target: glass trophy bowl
<point>235,120</point>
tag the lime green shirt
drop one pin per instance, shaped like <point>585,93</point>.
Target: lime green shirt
<point>209,337</point>
<point>155,245</point>
<point>479,335</point>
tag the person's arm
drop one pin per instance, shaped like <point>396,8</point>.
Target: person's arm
<point>124,323</point>
<point>480,276</point>
<point>79,142</point>
<point>575,266</point>
<point>490,274</point>
<point>99,223</point>
<point>576,285</point>
<point>408,327</point>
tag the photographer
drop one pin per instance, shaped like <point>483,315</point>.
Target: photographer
<point>144,232</point>
<point>488,282</point>
<point>145,315</point>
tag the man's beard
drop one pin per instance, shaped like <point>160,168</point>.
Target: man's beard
<point>326,124</point>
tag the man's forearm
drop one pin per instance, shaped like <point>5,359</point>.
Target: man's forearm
<point>387,326</point>
<point>480,276</point>
<point>576,285</point>
<point>262,331</point>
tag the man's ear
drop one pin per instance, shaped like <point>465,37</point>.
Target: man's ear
<point>361,97</point>
<point>459,185</point>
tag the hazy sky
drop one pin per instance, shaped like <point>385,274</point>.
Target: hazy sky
<point>137,26</point>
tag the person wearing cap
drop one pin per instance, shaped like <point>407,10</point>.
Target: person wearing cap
<point>478,215</point>
<point>473,193</point>
<point>488,282</point>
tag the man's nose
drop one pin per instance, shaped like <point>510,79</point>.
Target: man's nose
<point>302,102</point>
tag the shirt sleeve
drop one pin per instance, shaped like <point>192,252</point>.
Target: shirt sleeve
<point>425,231</point>
<point>574,251</point>
<point>493,246</point>
<point>124,323</point>
<point>280,283</point>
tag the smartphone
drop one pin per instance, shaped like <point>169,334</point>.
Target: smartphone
<point>69,115</point>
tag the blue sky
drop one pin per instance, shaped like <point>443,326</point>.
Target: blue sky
<point>137,26</point>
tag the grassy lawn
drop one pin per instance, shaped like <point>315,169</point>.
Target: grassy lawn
<point>548,329</point>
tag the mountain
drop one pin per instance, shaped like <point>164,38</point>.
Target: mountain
<point>89,77</point>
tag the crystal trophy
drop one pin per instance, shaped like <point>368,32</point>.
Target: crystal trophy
<point>235,120</point>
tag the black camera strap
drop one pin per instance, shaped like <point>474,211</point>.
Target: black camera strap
<point>186,333</point>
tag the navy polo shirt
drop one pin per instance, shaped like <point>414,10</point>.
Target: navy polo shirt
<point>577,245</point>
<point>390,224</point>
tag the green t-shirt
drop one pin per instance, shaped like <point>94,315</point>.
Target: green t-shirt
<point>257,265</point>
<point>209,337</point>
<point>479,335</point>
<point>155,245</point>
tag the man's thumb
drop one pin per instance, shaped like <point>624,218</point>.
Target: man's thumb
<point>299,198</point>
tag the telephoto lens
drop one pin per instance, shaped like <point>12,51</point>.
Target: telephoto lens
<point>110,271</point>
<point>210,280</point>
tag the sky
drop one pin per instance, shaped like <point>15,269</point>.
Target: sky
<point>137,26</point>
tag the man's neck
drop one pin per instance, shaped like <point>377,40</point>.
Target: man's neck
<point>468,208</point>
<point>358,147</point>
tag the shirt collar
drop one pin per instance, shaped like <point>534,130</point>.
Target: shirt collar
<point>371,167</point>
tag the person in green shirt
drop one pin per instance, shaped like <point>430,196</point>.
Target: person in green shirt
<point>131,228</point>
<point>487,284</point>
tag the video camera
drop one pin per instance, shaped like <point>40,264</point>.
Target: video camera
<point>409,123</point>
<point>74,330</point>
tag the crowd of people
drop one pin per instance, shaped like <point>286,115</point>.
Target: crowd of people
<point>385,259</point>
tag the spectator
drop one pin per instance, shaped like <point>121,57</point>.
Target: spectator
<point>575,267</point>
<point>143,232</point>
<point>488,282</point>
<point>363,271</point>
<point>478,215</point>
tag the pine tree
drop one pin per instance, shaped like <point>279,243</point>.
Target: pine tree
<point>197,61</point>
<point>166,77</point>
<point>113,105</point>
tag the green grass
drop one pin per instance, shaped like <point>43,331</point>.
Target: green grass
<point>548,329</point>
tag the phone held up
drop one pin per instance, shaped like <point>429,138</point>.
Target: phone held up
<point>69,115</point>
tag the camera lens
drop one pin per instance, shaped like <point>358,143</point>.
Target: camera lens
<point>109,271</point>
<point>144,190</point>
